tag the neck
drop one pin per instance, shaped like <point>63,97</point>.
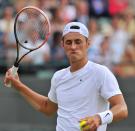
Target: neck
<point>78,65</point>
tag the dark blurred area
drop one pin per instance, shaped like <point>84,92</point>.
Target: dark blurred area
<point>111,24</point>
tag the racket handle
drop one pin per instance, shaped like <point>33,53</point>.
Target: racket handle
<point>14,72</point>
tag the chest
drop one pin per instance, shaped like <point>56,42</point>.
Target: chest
<point>74,90</point>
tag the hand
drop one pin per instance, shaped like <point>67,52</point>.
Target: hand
<point>9,77</point>
<point>91,123</point>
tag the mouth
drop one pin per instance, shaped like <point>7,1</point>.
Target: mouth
<point>73,52</point>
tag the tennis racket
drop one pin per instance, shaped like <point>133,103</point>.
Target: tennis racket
<point>31,30</point>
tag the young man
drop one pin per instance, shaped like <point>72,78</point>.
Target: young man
<point>82,91</point>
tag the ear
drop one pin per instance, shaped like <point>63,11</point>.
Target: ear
<point>89,42</point>
<point>62,43</point>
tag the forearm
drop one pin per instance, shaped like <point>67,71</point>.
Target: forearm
<point>36,100</point>
<point>119,112</point>
<point>39,102</point>
<point>118,107</point>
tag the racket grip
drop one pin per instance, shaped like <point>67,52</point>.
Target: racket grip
<point>14,72</point>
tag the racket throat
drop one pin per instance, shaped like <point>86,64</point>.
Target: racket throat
<point>16,64</point>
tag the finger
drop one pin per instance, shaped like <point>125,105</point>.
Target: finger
<point>9,71</point>
<point>85,122</point>
<point>84,119</point>
<point>86,128</point>
<point>17,76</point>
<point>89,128</point>
<point>6,76</point>
<point>90,120</point>
<point>7,79</point>
<point>92,125</point>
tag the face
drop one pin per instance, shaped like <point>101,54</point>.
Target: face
<point>75,46</point>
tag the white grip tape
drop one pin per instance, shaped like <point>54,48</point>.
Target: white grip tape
<point>14,72</point>
<point>106,117</point>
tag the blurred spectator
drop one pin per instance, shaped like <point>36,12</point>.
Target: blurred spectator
<point>82,11</point>
<point>117,6</point>
<point>7,21</point>
<point>104,56</point>
<point>127,67</point>
<point>105,26</point>
<point>68,11</point>
<point>46,4</point>
<point>98,8</point>
<point>57,53</point>
<point>6,26</point>
<point>4,4</point>
<point>2,50</point>
<point>57,23</point>
<point>129,54</point>
<point>18,5</point>
<point>124,70</point>
<point>129,21</point>
<point>96,38</point>
<point>118,40</point>
<point>132,4</point>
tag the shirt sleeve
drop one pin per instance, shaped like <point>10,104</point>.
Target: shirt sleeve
<point>52,93</point>
<point>110,85</point>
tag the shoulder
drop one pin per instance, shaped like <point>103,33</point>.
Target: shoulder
<point>100,71</point>
<point>98,68</point>
<point>60,73</point>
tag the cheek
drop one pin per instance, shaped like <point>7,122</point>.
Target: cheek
<point>84,48</point>
<point>66,50</point>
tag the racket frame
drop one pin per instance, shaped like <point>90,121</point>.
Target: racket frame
<point>17,61</point>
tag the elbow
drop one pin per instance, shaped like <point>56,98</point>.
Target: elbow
<point>45,111</point>
<point>48,114</point>
<point>125,112</point>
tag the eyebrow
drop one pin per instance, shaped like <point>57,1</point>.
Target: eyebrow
<point>73,39</point>
<point>77,38</point>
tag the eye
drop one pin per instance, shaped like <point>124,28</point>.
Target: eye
<point>78,41</point>
<point>68,42</point>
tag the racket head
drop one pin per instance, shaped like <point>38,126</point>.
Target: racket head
<point>31,25</point>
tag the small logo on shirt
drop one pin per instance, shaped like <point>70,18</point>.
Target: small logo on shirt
<point>107,114</point>
<point>80,80</point>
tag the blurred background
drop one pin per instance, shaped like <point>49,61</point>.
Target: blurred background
<point>111,24</point>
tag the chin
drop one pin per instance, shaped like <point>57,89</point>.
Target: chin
<point>74,60</point>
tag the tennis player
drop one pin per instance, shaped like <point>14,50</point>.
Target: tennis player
<point>85,91</point>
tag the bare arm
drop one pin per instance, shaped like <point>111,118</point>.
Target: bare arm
<point>39,102</point>
<point>118,107</point>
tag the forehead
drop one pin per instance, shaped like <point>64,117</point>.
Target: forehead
<point>74,35</point>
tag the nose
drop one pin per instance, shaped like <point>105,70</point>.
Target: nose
<point>73,46</point>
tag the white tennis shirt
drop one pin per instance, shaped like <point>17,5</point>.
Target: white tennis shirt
<point>81,94</point>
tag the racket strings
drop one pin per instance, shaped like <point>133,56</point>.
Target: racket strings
<point>32,28</point>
